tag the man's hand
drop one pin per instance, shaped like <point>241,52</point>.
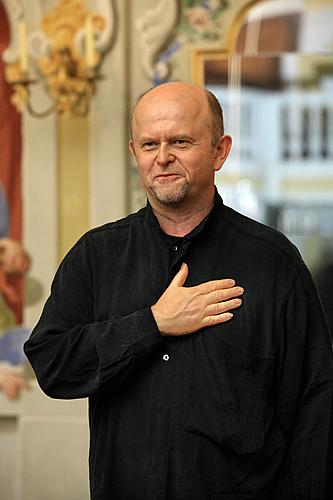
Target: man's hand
<point>183,310</point>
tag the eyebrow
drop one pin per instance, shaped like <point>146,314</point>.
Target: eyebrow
<point>173,137</point>
<point>146,139</point>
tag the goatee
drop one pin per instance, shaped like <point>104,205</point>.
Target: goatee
<point>170,195</point>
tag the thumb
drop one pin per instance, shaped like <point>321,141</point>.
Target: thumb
<point>181,276</point>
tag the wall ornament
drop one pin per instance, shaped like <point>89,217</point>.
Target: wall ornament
<point>157,29</point>
<point>65,54</point>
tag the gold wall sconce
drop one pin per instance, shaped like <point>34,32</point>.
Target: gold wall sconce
<point>65,55</point>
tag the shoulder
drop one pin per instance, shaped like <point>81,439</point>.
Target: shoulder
<point>261,240</point>
<point>113,232</point>
<point>131,221</point>
<point>104,242</point>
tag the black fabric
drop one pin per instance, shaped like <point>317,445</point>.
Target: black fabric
<point>324,282</point>
<point>238,411</point>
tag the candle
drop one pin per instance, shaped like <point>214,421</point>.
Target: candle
<point>90,47</point>
<point>23,47</point>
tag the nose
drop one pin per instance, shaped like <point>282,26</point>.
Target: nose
<point>165,156</point>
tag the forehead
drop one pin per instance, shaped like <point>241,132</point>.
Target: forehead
<point>183,111</point>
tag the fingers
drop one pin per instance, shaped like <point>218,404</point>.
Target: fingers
<point>222,289</point>
<point>217,319</point>
<point>222,307</point>
<point>215,285</point>
<point>224,294</point>
<point>220,312</point>
<point>181,276</point>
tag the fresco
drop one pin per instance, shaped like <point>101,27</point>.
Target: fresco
<point>202,20</point>
<point>14,261</point>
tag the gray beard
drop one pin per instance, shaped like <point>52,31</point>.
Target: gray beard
<point>170,196</point>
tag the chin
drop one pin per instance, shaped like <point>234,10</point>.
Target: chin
<point>171,196</point>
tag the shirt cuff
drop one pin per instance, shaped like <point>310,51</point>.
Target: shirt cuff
<point>149,335</point>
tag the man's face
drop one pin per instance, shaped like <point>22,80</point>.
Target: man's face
<point>172,144</point>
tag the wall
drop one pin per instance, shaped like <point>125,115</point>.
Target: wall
<point>75,171</point>
<point>78,174</point>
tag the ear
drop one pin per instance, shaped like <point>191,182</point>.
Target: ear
<point>222,150</point>
<point>131,147</point>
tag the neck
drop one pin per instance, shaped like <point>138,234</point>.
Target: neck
<point>179,221</point>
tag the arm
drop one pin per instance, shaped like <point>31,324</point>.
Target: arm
<point>305,401</point>
<point>74,356</point>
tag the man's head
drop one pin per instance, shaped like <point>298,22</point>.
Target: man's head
<point>217,122</point>
<point>178,142</point>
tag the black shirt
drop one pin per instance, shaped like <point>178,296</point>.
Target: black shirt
<point>242,410</point>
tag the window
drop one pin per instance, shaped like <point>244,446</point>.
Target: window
<point>275,83</point>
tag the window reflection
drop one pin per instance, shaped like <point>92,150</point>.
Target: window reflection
<point>283,141</point>
<point>277,92</point>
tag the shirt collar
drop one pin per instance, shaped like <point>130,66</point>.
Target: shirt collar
<point>215,211</point>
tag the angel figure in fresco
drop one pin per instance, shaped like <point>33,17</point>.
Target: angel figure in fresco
<point>14,261</point>
<point>11,383</point>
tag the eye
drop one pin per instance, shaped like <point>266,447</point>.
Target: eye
<point>147,146</point>
<point>180,143</point>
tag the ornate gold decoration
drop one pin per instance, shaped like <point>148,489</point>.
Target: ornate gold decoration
<point>68,73</point>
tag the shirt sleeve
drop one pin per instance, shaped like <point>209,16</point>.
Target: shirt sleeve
<point>72,355</point>
<point>305,392</point>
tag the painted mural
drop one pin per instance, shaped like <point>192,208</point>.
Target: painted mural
<point>202,20</point>
<point>14,261</point>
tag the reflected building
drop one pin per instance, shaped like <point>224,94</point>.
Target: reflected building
<point>275,84</point>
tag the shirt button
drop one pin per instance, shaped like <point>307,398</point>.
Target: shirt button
<point>166,357</point>
<point>174,248</point>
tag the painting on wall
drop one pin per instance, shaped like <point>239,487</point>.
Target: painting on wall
<point>202,20</point>
<point>14,261</point>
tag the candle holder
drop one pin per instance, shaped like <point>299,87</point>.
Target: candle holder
<point>69,66</point>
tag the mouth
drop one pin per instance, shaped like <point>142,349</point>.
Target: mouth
<point>169,177</point>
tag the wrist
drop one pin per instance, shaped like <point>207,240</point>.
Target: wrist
<point>158,320</point>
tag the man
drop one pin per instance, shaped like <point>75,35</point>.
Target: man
<point>188,400</point>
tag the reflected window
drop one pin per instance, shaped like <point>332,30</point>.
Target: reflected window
<point>276,88</point>
<point>286,26</point>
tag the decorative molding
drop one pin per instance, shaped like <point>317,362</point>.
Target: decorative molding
<point>157,29</point>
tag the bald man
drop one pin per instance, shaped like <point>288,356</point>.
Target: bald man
<point>196,389</point>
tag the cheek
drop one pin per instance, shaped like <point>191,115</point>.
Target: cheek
<point>200,167</point>
<point>144,169</point>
